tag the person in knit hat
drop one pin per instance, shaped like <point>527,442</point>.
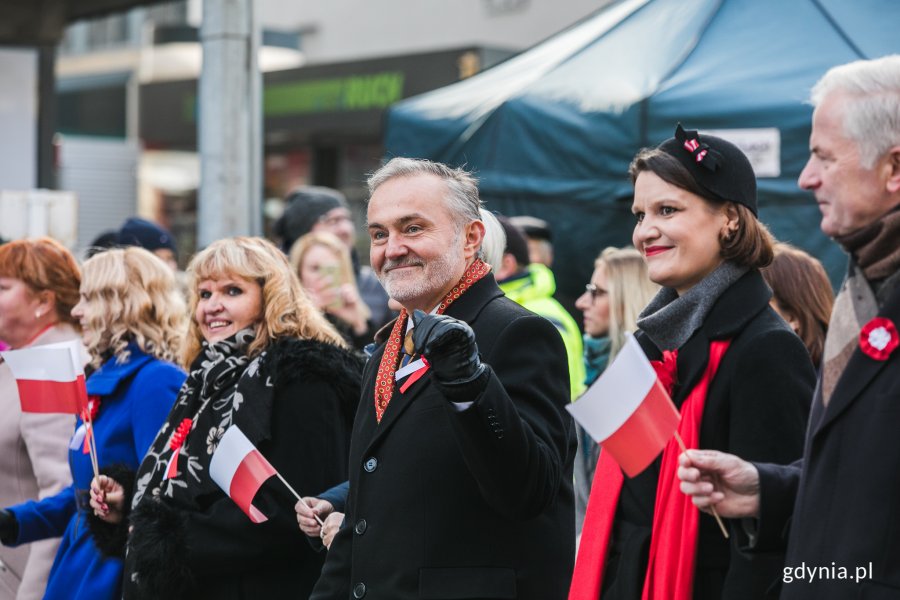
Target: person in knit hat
<point>149,236</point>
<point>316,209</point>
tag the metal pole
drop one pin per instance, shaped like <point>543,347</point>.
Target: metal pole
<point>46,126</point>
<point>229,123</point>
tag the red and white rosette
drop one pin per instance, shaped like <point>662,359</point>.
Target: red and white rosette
<point>879,338</point>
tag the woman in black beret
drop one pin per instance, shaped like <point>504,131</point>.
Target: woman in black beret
<point>740,377</point>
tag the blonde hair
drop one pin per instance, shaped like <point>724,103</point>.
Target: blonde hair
<point>331,242</point>
<point>287,310</point>
<point>131,295</point>
<point>629,288</point>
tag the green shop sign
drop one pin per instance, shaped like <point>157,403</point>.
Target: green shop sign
<point>332,94</point>
<point>356,92</point>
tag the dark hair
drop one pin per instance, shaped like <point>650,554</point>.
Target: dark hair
<point>801,287</point>
<point>750,246</point>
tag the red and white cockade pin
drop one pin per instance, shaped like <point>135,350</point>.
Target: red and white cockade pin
<point>879,338</point>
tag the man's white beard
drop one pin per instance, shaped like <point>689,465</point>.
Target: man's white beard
<point>435,276</point>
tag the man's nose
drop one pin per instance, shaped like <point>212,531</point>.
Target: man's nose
<point>395,248</point>
<point>809,178</point>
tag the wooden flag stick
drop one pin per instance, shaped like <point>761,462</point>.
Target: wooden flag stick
<point>92,442</point>
<point>711,507</point>
<point>297,496</point>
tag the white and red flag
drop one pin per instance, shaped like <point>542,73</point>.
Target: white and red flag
<point>50,378</point>
<point>627,410</point>
<point>240,470</point>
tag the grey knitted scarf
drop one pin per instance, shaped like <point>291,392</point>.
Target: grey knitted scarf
<point>670,320</point>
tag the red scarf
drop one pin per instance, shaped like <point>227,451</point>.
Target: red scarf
<point>390,360</point>
<point>673,543</point>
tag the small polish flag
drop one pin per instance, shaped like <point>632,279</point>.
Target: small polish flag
<point>627,410</point>
<point>240,470</point>
<point>50,378</point>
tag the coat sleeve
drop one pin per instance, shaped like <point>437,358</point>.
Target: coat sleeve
<point>47,518</point>
<point>337,496</point>
<point>778,486</point>
<point>516,438</point>
<point>308,447</point>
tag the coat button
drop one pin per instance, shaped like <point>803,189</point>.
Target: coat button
<point>359,590</point>
<point>360,527</point>
<point>371,464</point>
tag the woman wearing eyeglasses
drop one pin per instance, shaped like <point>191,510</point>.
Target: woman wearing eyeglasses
<point>741,379</point>
<point>611,302</point>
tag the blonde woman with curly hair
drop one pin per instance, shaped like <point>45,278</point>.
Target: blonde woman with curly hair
<point>260,357</point>
<point>131,317</point>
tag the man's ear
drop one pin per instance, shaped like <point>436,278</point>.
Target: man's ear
<point>893,166</point>
<point>474,236</point>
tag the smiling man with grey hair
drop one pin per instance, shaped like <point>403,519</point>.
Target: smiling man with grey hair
<point>461,454</point>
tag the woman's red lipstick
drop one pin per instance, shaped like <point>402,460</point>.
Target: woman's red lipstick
<point>651,250</point>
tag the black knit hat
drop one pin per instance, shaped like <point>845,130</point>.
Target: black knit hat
<point>516,244</point>
<point>304,207</point>
<point>716,165</point>
<point>146,234</point>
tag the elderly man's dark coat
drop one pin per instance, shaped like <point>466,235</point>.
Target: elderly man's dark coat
<point>847,487</point>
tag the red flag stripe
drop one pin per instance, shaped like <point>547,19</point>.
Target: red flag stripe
<point>41,396</point>
<point>645,433</point>
<point>253,471</point>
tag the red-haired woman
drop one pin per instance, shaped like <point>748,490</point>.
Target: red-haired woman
<point>39,281</point>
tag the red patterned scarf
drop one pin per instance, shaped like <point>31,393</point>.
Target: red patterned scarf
<point>673,544</point>
<point>390,360</point>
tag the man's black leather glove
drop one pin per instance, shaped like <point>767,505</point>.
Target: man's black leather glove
<point>449,345</point>
<point>9,527</point>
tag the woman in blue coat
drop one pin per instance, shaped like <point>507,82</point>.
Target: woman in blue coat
<point>131,315</point>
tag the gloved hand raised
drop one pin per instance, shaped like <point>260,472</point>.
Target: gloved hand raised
<point>9,527</point>
<point>449,346</point>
